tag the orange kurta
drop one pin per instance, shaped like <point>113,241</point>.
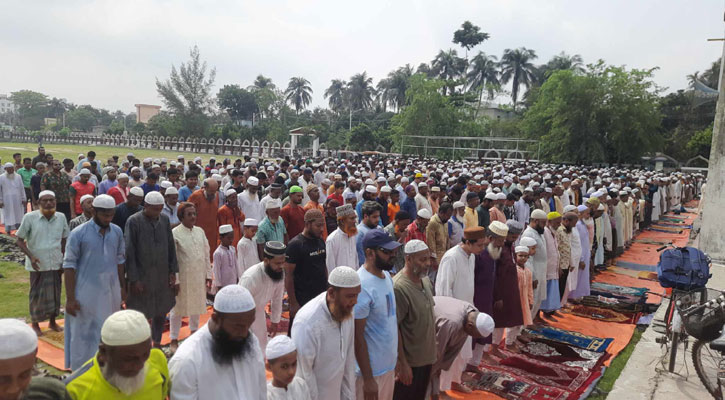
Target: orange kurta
<point>496,215</point>
<point>526,293</point>
<point>206,217</point>
<point>392,210</point>
<point>234,217</point>
<point>309,206</point>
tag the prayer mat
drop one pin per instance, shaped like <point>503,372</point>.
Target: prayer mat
<point>510,386</point>
<point>629,299</point>
<point>624,290</point>
<point>660,228</point>
<point>560,353</point>
<point>623,271</point>
<point>635,266</point>
<point>648,275</point>
<point>603,314</point>
<point>572,338</point>
<point>542,372</point>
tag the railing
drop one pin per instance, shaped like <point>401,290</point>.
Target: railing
<point>486,148</point>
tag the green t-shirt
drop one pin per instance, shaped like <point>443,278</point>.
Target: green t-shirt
<point>26,175</point>
<point>416,320</point>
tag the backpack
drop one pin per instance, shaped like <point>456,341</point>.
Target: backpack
<point>683,268</point>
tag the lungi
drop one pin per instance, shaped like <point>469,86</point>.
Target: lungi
<point>45,287</point>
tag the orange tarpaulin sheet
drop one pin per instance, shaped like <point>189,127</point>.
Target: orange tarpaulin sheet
<point>621,333</point>
<point>629,281</point>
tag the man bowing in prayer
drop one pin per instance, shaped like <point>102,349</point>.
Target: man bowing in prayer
<point>151,265</point>
<point>222,360</point>
<point>323,333</point>
<point>12,197</point>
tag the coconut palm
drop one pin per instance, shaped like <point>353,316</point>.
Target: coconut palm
<point>262,82</point>
<point>483,75</point>
<point>360,92</point>
<point>336,95</point>
<point>517,68</point>
<point>298,93</point>
<point>391,90</point>
<point>692,78</point>
<point>449,67</point>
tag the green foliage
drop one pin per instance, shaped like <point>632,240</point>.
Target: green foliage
<point>429,112</point>
<point>164,124</point>
<point>700,142</point>
<point>360,138</point>
<point>116,128</point>
<point>238,103</point>
<point>64,132</point>
<point>360,92</point>
<point>81,119</point>
<point>299,93</point>
<point>336,95</point>
<point>517,67</point>
<point>31,108</point>
<point>448,67</point>
<point>469,36</point>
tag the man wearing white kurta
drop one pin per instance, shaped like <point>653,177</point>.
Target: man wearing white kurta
<point>247,252</point>
<point>536,230</point>
<point>201,371</point>
<point>12,197</point>
<point>341,247</point>
<point>456,279</point>
<point>248,200</point>
<point>323,332</point>
<point>265,281</point>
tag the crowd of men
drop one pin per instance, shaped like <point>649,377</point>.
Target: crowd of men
<point>400,275</point>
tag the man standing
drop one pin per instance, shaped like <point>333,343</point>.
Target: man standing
<point>455,224</point>
<point>552,302</point>
<point>272,227</point>
<point>564,239</point>
<point>206,201</point>
<point>94,281</point>
<point>436,233</point>
<point>341,243</point>
<point>59,183</point>
<point>371,211</point>
<point>78,189</point>
<point>171,206</point>
<point>26,173</point>
<point>324,333</point>
<point>127,209</point>
<point>222,360</point>
<point>230,214</point>
<point>41,236</point>
<point>109,182</point>
<point>87,206</point>
<point>408,204</point>
<point>151,265</point>
<point>421,199</point>
<point>470,217</point>
<point>292,214</point>
<point>376,325</point>
<point>120,191</point>
<point>192,182</point>
<point>416,323</point>
<point>536,230</point>
<point>507,311</point>
<point>12,198</point>
<point>265,282</point>
<point>249,200</point>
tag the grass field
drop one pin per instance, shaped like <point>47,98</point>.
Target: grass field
<point>14,288</point>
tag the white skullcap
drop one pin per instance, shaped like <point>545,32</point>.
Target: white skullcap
<point>522,249</point>
<point>135,169</point>
<point>484,324</point>
<point>225,229</point>
<point>179,156</point>
<point>273,203</point>
<point>491,196</point>
<point>498,228</point>
<point>251,222</point>
<point>136,191</point>
<point>458,204</point>
<point>17,339</point>
<point>9,165</point>
<point>371,189</point>
<point>501,196</point>
<point>435,189</point>
<point>83,198</point>
<point>104,201</point>
<point>279,346</point>
<point>171,190</point>
<point>415,246</point>
<point>166,184</point>
<point>253,181</point>
<point>344,277</point>
<point>527,241</point>
<point>84,171</point>
<point>424,213</point>
<point>385,189</point>
<point>125,328</point>
<point>538,214</point>
<point>601,207</point>
<point>230,192</point>
<point>582,208</point>
<point>154,199</point>
<point>52,194</point>
<point>233,299</point>
<point>122,175</point>
<point>216,177</point>
<point>569,208</point>
<point>422,184</point>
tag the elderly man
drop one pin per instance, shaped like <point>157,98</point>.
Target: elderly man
<point>371,212</point>
<point>87,206</point>
<point>436,233</point>
<point>125,364</point>
<point>265,281</point>
<point>41,236</point>
<point>127,209</point>
<point>120,192</point>
<point>324,334</point>
<point>171,206</point>
<point>552,302</point>
<point>456,279</point>
<point>421,199</point>
<point>456,322</point>
<point>507,303</point>
<point>151,264</point>
<point>376,325</point>
<point>206,201</point>
<point>416,323</point>
<point>79,188</point>
<point>230,214</point>
<point>222,360</point>
<point>12,197</point>
<point>536,230</point>
<point>341,244</point>
<point>249,200</point>
<point>272,227</point>
<point>455,224</point>
<point>94,281</point>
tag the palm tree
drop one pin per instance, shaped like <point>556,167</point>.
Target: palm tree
<point>516,67</point>
<point>449,67</point>
<point>483,75</point>
<point>299,93</point>
<point>360,92</point>
<point>336,95</point>
<point>692,78</point>
<point>391,90</point>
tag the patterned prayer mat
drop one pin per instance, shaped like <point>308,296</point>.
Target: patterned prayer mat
<point>557,352</point>
<point>572,338</point>
<point>620,290</point>
<point>603,314</point>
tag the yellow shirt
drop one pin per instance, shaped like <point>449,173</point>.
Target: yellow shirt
<point>88,383</point>
<point>470,218</point>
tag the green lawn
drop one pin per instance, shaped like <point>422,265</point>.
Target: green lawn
<point>14,291</point>
<point>611,374</point>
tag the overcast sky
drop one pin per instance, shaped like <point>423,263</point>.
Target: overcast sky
<point>108,53</point>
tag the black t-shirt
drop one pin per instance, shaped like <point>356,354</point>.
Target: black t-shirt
<point>308,255</point>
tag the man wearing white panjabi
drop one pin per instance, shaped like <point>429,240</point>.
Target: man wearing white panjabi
<point>535,231</point>
<point>265,281</point>
<point>323,332</point>
<point>247,253</point>
<point>12,197</point>
<point>222,360</point>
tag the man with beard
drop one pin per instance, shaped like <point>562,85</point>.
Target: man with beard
<point>582,283</point>
<point>12,198</point>
<point>484,279</point>
<point>94,281</point>
<point>79,188</point>
<point>222,360</point>
<point>552,302</point>
<point>120,191</point>
<point>470,216</point>
<point>206,201</point>
<point>275,190</point>
<point>59,183</point>
<point>456,279</point>
<point>523,206</point>
<point>496,211</point>
<point>416,323</point>
<point>41,237</point>
<point>87,206</point>
<point>230,214</point>
<point>536,230</point>
<point>455,223</point>
<point>371,212</point>
<point>171,206</point>
<point>293,214</point>
<point>507,304</point>
<point>564,240</point>
<point>127,209</point>
<point>265,282</point>
<point>323,333</point>
<point>272,227</point>
<point>248,200</point>
<point>341,243</point>
<point>376,326</point>
<point>151,265</point>
<point>125,364</point>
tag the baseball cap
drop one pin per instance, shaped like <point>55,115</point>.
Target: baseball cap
<point>379,238</point>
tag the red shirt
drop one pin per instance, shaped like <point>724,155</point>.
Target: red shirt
<point>79,190</point>
<point>414,232</point>
<point>337,197</point>
<point>118,194</point>
<point>294,220</point>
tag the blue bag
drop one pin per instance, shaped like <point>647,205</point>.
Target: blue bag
<point>683,268</point>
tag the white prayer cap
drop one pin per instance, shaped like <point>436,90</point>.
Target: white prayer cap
<point>154,199</point>
<point>83,198</point>
<point>279,346</point>
<point>422,184</point>
<point>122,175</point>
<point>171,190</point>
<point>385,189</point>
<point>501,196</point>
<point>549,190</point>
<point>136,191</point>
<point>52,194</point>
<point>233,299</point>
<point>498,228</point>
<point>601,207</point>
<point>253,181</point>
<point>125,328</point>
<point>9,165</point>
<point>458,204</point>
<point>273,203</point>
<point>371,189</point>
<point>84,171</point>
<point>251,222</point>
<point>179,157</point>
<point>582,208</point>
<point>344,277</point>
<point>415,246</point>
<point>166,184</point>
<point>484,324</point>
<point>522,249</point>
<point>491,196</point>
<point>424,213</point>
<point>565,180</point>
<point>435,189</point>
<point>538,214</point>
<point>569,208</point>
<point>527,241</point>
<point>216,177</point>
<point>135,169</point>
<point>104,201</point>
<point>129,154</point>
<point>230,192</point>
<point>17,339</point>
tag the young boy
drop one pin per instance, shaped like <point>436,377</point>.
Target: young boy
<point>526,292</point>
<point>282,361</point>
<point>225,259</point>
<point>247,253</point>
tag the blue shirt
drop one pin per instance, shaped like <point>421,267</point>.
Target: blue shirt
<point>408,205</point>
<point>185,192</point>
<point>376,304</point>
<point>148,188</point>
<point>362,229</point>
<point>267,231</point>
<point>105,185</point>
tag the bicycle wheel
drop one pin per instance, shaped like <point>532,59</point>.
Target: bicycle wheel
<point>674,341</point>
<point>707,365</point>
